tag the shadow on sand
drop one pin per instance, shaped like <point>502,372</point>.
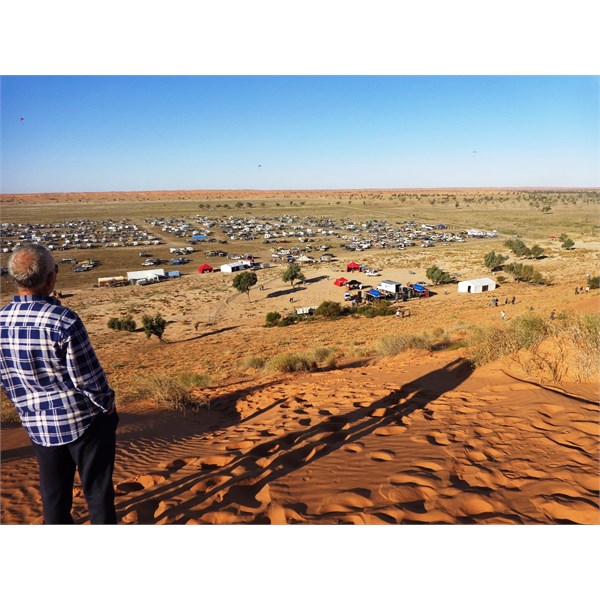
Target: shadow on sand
<point>294,450</point>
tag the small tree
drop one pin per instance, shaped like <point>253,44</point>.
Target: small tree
<point>242,282</point>
<point>329,309</point>
<point>154,325</point>
<point>494,261</point>
<point>272,319</point>
<point>125,324</point>
<point>114,323</point>
<point>568,244</point>
<point>537,251</point>
<point>518,247</point>
<point>292,274</point>
<point>437,276</point>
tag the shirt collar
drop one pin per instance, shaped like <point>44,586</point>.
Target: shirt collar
<point>36,298</point>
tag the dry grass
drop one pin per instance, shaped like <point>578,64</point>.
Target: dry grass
<point>547,350</point>
<point>395,344</point>
<point>175,391</point>
<point>8,412</point>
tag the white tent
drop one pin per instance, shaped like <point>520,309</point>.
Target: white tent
<point>233,267</point>
<point>476,286</point>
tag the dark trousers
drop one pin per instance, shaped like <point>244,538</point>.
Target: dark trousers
<point>93,455</point>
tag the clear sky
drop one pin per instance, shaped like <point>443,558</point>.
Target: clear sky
<point>120,133</point>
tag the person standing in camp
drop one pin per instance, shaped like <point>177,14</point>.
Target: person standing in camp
<point>503,315</point>
<point>50,371</point>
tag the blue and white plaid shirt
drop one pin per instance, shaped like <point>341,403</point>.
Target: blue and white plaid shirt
<point>50,371</point>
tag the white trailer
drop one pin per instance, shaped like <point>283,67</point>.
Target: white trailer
<point>392,287</point>
<point>149,274</point>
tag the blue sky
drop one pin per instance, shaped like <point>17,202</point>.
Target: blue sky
<point>120,133</point>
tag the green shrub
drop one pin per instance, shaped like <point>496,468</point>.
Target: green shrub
<point>288,320</point>
<point>394,344</point>
<point>128,324</point>
<point>437,275</point>
<point>272,319</point>
<point>174,391</point>
<point>125,324</point>
<point>377,309</point>
<point>254,362</point>
<point>193,380</point>
<point>292,363</point>
<point>325,356</point>
<point>330,309</point>
<point>154,325</point>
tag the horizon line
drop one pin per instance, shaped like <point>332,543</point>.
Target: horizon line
<point>259,190</point>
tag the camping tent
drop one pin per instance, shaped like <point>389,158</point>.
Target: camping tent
<point>352,266</point>
<point>476,286</point>
<point>372,295</point>
<point>205,268</point>
<point>341,282</point>
<point>421,290</point>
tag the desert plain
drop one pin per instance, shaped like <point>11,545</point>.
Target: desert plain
<point>420,419</point>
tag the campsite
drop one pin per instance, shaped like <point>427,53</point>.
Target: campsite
<point>362,433</point>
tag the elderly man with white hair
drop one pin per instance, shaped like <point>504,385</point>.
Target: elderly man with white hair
<point>50,371</point>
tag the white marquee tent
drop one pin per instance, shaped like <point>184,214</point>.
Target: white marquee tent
<point>476,286</point>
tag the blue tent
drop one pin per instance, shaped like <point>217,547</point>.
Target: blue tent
<point>374,293</point>
<point>419,288</point>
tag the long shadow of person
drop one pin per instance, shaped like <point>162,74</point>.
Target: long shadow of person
<point>298,449</point>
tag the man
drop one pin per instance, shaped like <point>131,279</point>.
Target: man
<point>51,373</point>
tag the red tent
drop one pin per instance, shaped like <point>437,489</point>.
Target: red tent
<point>352,266</point>
<point>340,282</point>
<point>205,268</point>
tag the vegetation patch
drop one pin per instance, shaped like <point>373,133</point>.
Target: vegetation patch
<point>553,349</point>
<point>392,345</point>
<point>175,391</point>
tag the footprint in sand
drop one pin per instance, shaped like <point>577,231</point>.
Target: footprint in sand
<point>382,455</point>
<point>468,505</point>
<point>567,510</point>
<point>422,479</point>
<point>390,430</point>
<point>239,446</point>
<point>354,448</point>
<point>483,431</point>
<point>539,424</point>
<point>209,484</point>
<point>213,462</point>
<point>428,465</point>
<point>140,482</point>
<point>349,501</point>
<point>378,412</point>
<point>408,495</point>
<point>549,410</point>
<point>438,438</point>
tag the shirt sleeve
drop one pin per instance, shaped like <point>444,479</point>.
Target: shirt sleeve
<point>84,367</point>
